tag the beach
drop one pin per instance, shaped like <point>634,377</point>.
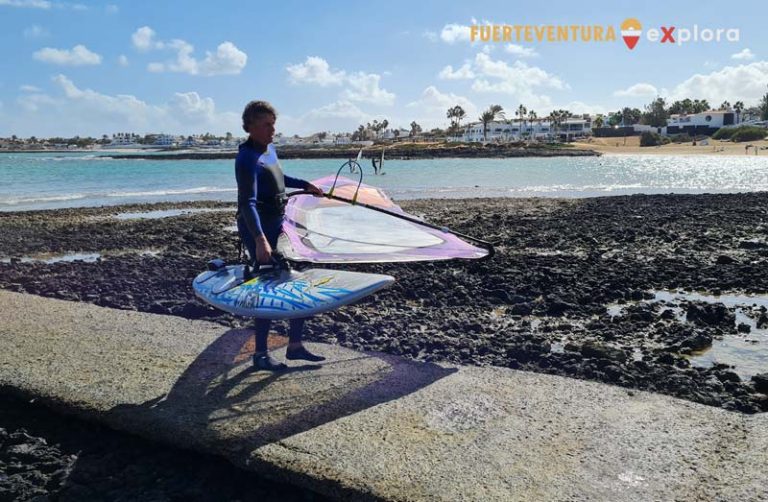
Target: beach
<point>664,293</point>
<point>631,145</point>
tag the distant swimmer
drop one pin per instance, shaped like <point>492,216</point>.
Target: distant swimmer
<point>378,164</point>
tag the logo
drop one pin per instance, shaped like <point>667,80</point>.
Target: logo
<point>631,29</point>
<point>631,33</point>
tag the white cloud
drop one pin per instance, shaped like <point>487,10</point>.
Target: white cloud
<point>452,33</point>
<point>34,101</point>
<point>144,39</point>
<point>35,4</point>
<point>465,72</point>
<point>79,55</point>
<point>338,116</point>
<point>122,60</point>
<point>733,83</point>
<point>520,51</point>
<point>315,70</point>
<point>577,108</point>
<point>359,86</point>
<point>743,55</point>
<point>436,103</point>
<point>639,90</point>
<point>339,109</point>
<point>85,111</point>
<point>518,79</point>
<point>35,31</point>
<point>431,36</point>
<point>364,87</point>
<point>29,88</point>
<point>42,4</point>
<point>191,105</point>
<point>227,60</point>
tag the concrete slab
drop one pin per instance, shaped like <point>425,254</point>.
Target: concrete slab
<point>372,425</point>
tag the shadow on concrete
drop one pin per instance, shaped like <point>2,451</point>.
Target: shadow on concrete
<point>221,405</point>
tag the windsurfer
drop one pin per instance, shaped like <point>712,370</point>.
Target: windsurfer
<point>260,209</point>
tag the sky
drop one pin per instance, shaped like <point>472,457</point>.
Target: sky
<point>93,68</point>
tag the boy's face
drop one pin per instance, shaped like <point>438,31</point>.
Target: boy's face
<point>262,129</point>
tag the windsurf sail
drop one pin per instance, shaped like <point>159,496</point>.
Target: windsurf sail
<point>358,223</point>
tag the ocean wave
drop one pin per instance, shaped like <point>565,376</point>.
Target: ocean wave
<point>31,200</point>
<point>184,191</point>
<point>576,188</point>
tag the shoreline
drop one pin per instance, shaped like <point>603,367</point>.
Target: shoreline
<point>390,153</point>
<point>714,148</point>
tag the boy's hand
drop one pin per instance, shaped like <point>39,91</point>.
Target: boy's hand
<point>317,192</point>
<point>263,250</point>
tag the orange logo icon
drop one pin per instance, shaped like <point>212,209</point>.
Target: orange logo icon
<point>631,29</point>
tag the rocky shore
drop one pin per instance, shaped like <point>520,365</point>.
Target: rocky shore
<point>586,288</point>
<point>400,152</point>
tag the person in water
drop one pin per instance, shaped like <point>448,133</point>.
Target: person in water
<point>260,208</point>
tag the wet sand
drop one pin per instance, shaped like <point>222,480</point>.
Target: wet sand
<point>586,288</point>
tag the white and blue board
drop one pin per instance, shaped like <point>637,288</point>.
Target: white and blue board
<point>284,294</point>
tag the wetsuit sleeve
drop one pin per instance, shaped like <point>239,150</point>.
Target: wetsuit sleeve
<point>292,182</point>
<point>248,187</point>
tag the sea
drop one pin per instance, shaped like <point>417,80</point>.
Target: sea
<point>30,181</point>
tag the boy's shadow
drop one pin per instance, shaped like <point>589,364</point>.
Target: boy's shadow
<point>220,404</point>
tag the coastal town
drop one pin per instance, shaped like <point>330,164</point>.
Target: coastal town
<point>680,122</point>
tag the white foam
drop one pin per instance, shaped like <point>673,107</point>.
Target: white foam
<point>52,198</point>
<point>172,192</point>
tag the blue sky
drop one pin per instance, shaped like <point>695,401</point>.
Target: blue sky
<point>93,68</point>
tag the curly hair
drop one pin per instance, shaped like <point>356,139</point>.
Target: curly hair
<point>255,110</point>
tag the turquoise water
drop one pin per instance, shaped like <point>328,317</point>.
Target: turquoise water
<point>53,180</point>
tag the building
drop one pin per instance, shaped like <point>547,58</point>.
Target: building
<point>165,140</point>
<point>517,130</point>
<point>700,124</point>
<point>124,140</point>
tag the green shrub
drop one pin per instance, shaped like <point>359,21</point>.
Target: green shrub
<point>681,138</point>
<point>724,133</point>
<point>652,139</point>
<point>749,133</point>
<point>741,133</point>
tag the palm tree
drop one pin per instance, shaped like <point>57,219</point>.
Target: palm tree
<point>531,117</point>
<point>738,107</point>
<point>700,106</point>
<point>556,117</point>
<point>520,113</point>
<point>598,121</point>
<point>725,105</point>
<point>459,113</point>
<point>455,114</point>
<point>488,116</point>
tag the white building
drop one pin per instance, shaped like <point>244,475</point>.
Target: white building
<point>704,123</point>
<point>342,139</point>
<point>516,130</point>
<point>391,134</point>
<point>124,140</point>
<point>165,140</point>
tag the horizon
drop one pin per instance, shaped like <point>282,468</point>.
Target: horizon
<point>92,68</point>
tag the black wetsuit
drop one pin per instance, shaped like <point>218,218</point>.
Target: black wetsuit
<point>259,210</point>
